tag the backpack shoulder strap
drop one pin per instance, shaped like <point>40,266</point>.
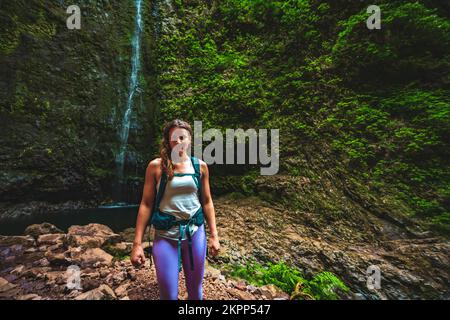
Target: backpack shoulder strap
<point>161,189</point>
<point>198,181</point>
<point>196,165</point>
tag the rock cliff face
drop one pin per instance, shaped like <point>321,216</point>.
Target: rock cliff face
<point>63,94</point>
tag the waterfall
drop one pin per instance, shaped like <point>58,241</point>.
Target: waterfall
<point>132,90</point>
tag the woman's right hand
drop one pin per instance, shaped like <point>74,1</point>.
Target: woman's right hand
<point>137,255</point>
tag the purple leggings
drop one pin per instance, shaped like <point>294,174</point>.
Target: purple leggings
<point>165,256</point>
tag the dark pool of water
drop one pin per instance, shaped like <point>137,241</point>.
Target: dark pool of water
<point>117,217</point>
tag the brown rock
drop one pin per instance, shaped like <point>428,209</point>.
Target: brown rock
<point>272,292</point>
<point>41,262</point>
<point>104,273</point>
<point>18,270</point>
<point>35,230</point>
<point>51,239</point>
<point>73,294</point>
<point>90,284</point>
<point>57,259</point>
<point>74,253</point>
<point>6,241</point>
<point>31,250</point>
<point>241,285</point>
<point>213,272</point>
<point>9,259</point>
<point>55,247</point>
<point>36,272</point>
<point>122,290</point>
<point>119,277</point>
<point>93,235</point>
<point>5,285</point>
<point>119,249</point>
<point>7,289</point>
<point>131,274</point>
<point>58,277</point>
<point>16,248</point>
<point>91,275</point>
<point>31,296</point>
<point>129,233</point>
<point>241,295</point>
<point>9,294</point>
<point>103,292</point>
<point>93,257</point>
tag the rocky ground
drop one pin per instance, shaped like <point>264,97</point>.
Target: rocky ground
<point>35,265</point>
<point>412,266</point>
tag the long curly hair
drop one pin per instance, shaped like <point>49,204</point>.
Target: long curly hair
<point>164,148</point>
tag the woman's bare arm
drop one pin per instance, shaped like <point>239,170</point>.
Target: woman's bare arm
<point>208,209</point>
<point>146,206</point>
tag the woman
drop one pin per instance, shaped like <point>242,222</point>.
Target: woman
<point>181,200</point>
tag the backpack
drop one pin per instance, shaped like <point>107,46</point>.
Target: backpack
<point>165,221</point>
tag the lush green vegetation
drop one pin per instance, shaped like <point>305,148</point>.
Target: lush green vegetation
<point>323,286</point>
<point>373,104</point>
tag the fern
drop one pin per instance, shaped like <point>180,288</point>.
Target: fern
<point>323,286</point>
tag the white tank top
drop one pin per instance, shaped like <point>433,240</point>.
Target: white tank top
<point>180,199</point>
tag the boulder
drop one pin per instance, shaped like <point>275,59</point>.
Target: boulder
<point>35,230</point>
<point>93,235</point>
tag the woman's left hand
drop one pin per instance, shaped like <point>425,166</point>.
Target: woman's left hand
<point>214,246</point>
